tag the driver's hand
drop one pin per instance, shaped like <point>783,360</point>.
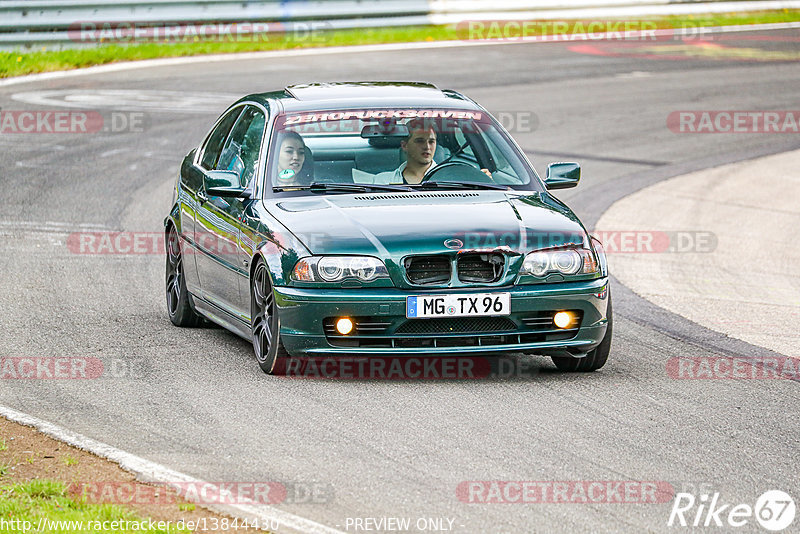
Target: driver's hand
<point>486,172</point>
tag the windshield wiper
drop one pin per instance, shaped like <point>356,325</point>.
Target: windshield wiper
<point>321,187</point>
<point>464,185</point>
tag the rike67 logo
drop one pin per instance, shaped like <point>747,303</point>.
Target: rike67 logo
<point>774,510</point>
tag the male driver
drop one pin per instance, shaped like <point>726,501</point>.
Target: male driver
<point>419,148</point>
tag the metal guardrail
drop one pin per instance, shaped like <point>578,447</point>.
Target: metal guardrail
<point>29,24</point>
<point>60,14</point>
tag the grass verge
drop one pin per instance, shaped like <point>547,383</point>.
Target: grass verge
<point>18,63</point>
<point>23,505</point>
<point>41,479</point>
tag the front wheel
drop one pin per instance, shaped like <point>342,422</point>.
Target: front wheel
<point>596,358</point>
<point>265,323</point>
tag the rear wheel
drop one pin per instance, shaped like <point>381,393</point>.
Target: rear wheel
<point>179,302</point>
<point>596,358</point>
<point>266,323</point>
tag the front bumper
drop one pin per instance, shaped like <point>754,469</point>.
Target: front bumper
<point>303,312</point>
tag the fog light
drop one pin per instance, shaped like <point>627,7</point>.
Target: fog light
<point>562,319</point>
<point>344,326</point>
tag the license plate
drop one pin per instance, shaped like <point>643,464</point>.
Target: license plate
<point>461,305</point>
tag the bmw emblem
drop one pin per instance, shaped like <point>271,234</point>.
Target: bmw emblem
<point>454,244</point>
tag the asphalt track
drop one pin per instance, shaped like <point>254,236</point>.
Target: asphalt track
<point>728,289</point>
<point>195,400</point>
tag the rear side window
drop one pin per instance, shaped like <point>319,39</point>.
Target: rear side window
<point>216,138</point>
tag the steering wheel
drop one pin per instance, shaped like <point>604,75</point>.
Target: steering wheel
<point>474,176</point>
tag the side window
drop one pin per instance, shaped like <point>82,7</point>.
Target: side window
<point>241,150</point>
<point>217,137</point>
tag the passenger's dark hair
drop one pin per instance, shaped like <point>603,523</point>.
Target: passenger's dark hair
<point>283,136</point>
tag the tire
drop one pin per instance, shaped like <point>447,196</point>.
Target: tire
<point>265,323</point>
<point>179,301</point>
<point>596,358</point>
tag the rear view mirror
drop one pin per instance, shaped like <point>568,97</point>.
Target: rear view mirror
<point>562,175</point>
<point>387,129</point>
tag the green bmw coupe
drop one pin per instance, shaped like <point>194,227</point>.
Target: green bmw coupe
<point>381,219</point>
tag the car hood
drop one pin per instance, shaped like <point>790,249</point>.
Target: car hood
<point>393,225</point>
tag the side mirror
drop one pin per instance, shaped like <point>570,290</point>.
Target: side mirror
<point>223,184</point>
<point>562,175</point>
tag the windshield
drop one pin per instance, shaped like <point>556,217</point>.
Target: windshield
<point>403,148</point>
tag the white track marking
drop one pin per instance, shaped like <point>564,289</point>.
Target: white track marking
<point>129,99</point>
<point>52,225</point>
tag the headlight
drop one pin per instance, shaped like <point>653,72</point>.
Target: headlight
<point>339,268</point>
<point>562,261</point>
<point>330,269</point>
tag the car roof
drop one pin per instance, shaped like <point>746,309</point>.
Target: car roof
<point>355,95</point>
